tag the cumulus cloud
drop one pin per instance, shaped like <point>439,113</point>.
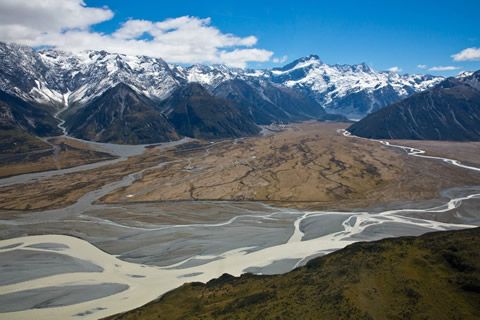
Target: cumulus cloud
<point>237,57</point>
<point>468,54</point>
<point>66,25</point>
<point>394,69</point>
<point>444,68</point>
<point>24,20</point>
<point>422,66</point>
<point>281,59</point>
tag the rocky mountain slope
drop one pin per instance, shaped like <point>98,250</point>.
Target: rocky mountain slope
<point>121,115</point>
<point>21,122</point>
<point>434,276</point>
<point>94,88</point>
<point>194,112</point>
<point>267,102</point>
<point>76,78</point>
<point>448,111</point>
<point>351,90</point>
<point>33,118</point>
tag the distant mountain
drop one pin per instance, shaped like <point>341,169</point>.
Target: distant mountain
<point>121,115</point>
<point>61,78</point>
<point>351,90</point>
<point>73,79</point>
<point>448,111</point>
<point>267,102</point>
<point>433,276</point>
<point>194,112</point>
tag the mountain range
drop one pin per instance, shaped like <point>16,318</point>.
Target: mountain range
<point>448,111</point>
<point>93,89</point>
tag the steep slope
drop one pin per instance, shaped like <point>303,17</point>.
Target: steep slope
<point>434,276</point>
<point>196,113</point>
<point>59,78</point>
<point>121,115</point>
<point>268,103</point>
<point>351,90</point>
<point>449,111</point>
<point>87,75</point>
<point>30,117</point>
<point>23,74</point>
<point>20,122</point>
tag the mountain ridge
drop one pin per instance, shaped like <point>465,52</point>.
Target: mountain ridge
<point>432,276</point>
<point>58,77</point>
<point>121,115</point>
<point>448,111</point>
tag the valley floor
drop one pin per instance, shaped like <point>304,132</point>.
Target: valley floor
<point>308,165</point>
<point>51,154</point>
<point>127,230</point>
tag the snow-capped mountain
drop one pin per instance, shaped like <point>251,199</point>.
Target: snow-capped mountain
<point>86,75</point>
<point>352,90</point>
<point>57,77</point>
<point>448,111</point>
<point>75,79</point>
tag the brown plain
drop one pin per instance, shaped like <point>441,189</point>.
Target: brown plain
<point>306,165</point>
<point>60,153</point>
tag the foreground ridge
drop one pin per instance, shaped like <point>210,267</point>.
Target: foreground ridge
<point>435,276</point>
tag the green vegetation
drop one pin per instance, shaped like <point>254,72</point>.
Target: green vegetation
<point>434,276</point>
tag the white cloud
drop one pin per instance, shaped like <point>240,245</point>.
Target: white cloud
<point>239,57</point>
<point>468,54</point>
<point>133,29</point>
<point>394,69</point>
<point>444,68</point>
<point>438,68</point>
<point>281,59</point>
<point>65,25</point>
<point>25,20</point>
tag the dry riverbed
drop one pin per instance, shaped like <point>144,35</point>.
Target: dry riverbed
<point>306,165</point>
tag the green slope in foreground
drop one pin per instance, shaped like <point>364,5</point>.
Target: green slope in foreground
<point>434,276</point>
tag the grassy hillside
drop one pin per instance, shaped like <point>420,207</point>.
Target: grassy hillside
<point>435,276</point>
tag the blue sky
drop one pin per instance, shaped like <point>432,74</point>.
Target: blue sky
<point>381,33</point>
<point>384,34</point>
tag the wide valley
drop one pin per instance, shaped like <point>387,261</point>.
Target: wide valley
<point>86,238</point>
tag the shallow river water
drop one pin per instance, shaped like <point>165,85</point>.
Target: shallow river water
<point>88,261</point>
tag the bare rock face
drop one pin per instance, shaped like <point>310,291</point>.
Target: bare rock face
<point>83,82</point>
<point>448,111</point>
<point>121,115</point>
<point>196,113</point>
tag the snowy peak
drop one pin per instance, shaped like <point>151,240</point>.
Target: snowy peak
<point>448,111</point>
<point>352,90</point>
<point>51,76</point>
<point>64,78</point>
<point>301,63</point>
<point>471,78</point>
<point>209,76</point>
<point>88,74</point>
